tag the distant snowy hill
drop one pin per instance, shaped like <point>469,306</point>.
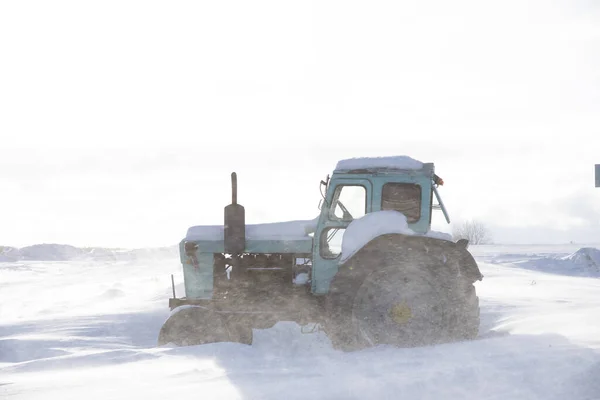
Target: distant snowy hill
<point>8,254</point>
<point>64,252</point>
<point>582,262</point>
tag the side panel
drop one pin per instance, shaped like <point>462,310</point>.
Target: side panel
<point>198,278</point>
<point>198,267</point>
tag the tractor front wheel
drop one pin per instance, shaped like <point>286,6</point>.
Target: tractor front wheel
<point>192,326</point>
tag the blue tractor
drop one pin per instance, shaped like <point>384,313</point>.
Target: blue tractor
<point>368,270</point>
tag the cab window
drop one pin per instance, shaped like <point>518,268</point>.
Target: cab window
<point>349,202</point>
<point>331,242</point>
<point>402,197</point>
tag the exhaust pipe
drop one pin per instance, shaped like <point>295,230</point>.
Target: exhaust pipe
<point>234,222</point>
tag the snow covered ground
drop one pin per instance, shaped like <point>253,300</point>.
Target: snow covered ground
<point>88,328</point>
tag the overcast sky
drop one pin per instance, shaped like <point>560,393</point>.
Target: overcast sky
<point>121,121</point>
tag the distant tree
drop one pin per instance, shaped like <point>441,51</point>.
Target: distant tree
<point>474,231</point>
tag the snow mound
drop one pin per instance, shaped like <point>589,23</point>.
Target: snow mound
<point>289,230</point>
<point>362,230</point>
<point>584,262</point>
<point>586,257</point>
<point>391,162</point>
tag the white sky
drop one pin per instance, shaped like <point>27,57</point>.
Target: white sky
<point>121,121</point>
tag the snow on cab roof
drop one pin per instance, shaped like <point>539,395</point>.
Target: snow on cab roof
<point>391,162</point>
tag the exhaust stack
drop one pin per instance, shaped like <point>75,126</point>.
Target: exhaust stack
<point>235,222</point>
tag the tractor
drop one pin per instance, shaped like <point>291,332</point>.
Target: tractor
<point>367,270</point>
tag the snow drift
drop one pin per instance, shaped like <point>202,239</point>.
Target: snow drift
<point>586,258</point>
<point>585,262</point>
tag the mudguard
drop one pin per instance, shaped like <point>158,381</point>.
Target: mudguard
<point>448,252</point>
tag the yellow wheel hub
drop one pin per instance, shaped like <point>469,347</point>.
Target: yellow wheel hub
<point>400,313</point>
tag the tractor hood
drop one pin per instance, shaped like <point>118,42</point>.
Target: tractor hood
<point>275,237</point>
<point>290,230</point>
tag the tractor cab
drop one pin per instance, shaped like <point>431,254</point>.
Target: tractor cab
<point>364,185</point>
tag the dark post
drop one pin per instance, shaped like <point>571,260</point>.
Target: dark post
<point>173,286</point>
<point>233,188</point>
<point>235,222</point>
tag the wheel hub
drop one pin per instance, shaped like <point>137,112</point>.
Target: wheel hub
<point>400,313</point>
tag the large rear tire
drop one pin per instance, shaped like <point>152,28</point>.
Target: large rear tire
<point>400,306</point>
<point>401,292</point>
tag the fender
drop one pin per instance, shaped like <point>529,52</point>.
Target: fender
<point>363,230</point>
<point>395,243</point>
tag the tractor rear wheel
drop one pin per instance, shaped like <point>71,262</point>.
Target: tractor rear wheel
<point>400,292</point>
<point>400,306</point>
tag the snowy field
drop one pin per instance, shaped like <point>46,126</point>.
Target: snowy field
<point>87,329</point>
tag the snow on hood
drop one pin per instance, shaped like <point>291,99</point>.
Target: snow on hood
<point>392,162</point>
<point>289,230</point>
<point>362,230</point>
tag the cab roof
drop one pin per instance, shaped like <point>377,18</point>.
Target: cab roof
<point>382,164</point>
